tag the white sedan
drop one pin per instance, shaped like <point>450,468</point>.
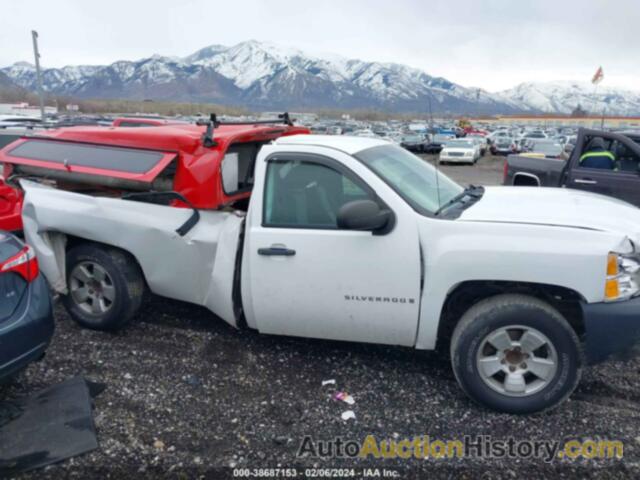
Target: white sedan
<point>460,151</point>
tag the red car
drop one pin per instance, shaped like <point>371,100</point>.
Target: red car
<point>179,158</point>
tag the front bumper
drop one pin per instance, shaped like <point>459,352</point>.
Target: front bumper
<point>25,336</point>
<point>456,159</point>
<point>612,329</point>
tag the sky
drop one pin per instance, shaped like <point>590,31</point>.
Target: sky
<point>492,44</point>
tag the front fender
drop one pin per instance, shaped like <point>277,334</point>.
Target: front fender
<point>457,252</point>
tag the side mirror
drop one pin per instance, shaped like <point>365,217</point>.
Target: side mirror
<point>363,215</point>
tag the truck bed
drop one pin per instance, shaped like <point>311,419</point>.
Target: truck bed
<point>198,267</point>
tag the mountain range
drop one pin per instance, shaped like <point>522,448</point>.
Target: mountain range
<point>264,76</point>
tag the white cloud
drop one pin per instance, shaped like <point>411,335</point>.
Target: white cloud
<point>493,44</point>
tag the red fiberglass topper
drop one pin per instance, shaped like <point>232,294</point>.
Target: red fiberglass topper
<point>182,158</point>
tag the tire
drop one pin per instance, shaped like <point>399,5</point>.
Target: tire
<point>106,287</point>
<point>519,390</point>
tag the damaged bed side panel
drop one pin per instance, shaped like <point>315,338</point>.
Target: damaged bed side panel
<point>197,268</point>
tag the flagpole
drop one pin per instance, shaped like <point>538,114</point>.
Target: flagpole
<point>594,103</point>
<point>597,78</point>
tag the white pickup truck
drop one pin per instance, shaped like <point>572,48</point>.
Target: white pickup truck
<point>356,239</point>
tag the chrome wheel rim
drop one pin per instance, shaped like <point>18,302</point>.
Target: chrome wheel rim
<point>91,288</point>
<point>517,360</point>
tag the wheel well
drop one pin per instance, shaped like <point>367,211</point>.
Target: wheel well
<point>467,294</point>
<point>73,241</point>
<point>522,180</point>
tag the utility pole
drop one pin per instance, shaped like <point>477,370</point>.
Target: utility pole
<point>36,54</point>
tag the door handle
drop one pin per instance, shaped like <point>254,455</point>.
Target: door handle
<point>273,251</point>
<point>585,181</point>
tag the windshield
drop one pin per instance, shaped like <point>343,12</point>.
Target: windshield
<point>415,180</point>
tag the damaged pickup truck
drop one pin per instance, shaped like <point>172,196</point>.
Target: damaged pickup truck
<point>338,238</point>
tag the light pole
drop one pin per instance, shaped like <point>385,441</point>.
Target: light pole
<point>36,54</point>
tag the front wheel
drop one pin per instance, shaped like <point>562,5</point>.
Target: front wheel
<point>105,285</point>
<point>516,354</point>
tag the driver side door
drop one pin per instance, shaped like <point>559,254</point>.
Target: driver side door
<point>623,182</point>
<point>306,277</point>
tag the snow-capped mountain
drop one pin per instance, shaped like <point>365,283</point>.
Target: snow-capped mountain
<point>264,76</point>
<point>261,75</point>
<point>9,91</point>
<point>5,81</point>
<point>564,97</point>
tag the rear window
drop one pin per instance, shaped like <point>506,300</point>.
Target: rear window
<point>94,156</point>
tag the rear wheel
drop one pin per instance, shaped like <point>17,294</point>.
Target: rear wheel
<point>105,284</point>
<point>516,354</point>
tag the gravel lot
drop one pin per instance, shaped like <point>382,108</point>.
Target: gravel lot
<point>189,396</point>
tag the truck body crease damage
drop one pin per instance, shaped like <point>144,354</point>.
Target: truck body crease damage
<point>146,231</point>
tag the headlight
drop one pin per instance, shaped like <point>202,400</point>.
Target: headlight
<point>623,277</point>
<point>468,154</point>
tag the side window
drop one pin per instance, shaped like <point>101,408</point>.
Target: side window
<point>94,156</point>
<point>626,160</point>
<point>596,154</point>
<point>622,158</point>
<point>305,194</point>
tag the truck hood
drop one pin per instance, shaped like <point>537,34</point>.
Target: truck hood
<point>559,207</point>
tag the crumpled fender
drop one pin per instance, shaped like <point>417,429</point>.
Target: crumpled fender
<point>197,268</point>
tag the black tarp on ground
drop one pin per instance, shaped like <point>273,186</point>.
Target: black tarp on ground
<point>52,425</point>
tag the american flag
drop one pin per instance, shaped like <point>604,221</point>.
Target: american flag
<point>598,76</point>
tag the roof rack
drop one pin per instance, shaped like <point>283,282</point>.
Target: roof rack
<point>213,123</point>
